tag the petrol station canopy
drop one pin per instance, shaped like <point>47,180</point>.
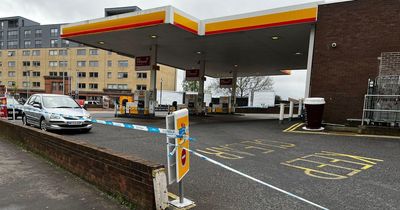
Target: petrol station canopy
<point>257,44</point>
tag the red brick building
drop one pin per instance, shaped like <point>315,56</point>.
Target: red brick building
<point>362,30</point>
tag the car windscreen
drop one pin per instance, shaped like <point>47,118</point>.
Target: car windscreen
<point>59,102</point>
<point>12,101</point>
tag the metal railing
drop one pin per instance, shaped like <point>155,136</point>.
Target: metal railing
<point>381,109</point>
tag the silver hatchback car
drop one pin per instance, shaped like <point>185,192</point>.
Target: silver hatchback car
<point>55,112</point>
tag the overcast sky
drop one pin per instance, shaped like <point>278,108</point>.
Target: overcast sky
<point>64,11</point>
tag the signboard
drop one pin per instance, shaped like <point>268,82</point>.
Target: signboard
<point>3,107</point>
<point>143,63</point>
<point>193,75</point>
<point>225,83</point>
<point>178,157</point>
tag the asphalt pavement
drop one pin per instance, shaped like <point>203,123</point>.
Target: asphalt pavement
<point>29,182</point>
<point>337,172</point>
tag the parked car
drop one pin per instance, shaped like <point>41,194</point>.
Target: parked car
<point>55,112</point>
<point>12,105</point>
<point>92,103</point>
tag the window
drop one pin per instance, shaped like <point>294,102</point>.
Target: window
<point>1,35</point>
<point>53,74</point>
<point>93,74</point>
<point>93,86</point>
<point>63,63</point>
<point>26,73</point>
<point>53,52</point>
<point>61,74</point>
<point>0,73</point>
<point>81,52</point>
<point>81,85</point>
<point>38,33</point>
<point>27,34</point>
<point>81,63</point>
<point>12,35</point>
<point>12,44</point>
<point>64,43</point>
<point>11,74</point>
<point>109,63</point>
<point>141,87</point>
<point>123,63</point>
<point>142,75</point>
<point>63,52</point>
<point>38,43</point>
<point>35,84</point>
<point>53,63</point>
<point>93,63</point>
<point>81,74</point>
<point>11,53</point>
<point>93,52</point>
<point>1,64</point>
<point>1,44</point>
<point>36,52</point>
<point>2,25</point>
<point>122,86</point>
<point>54,43</point>
<point>36,73</point>
<point>109,75</point>
<point>26,63</point>
<point>35,63</point>
<point>26,53</point>
<point>27,44</point>
<point>57,86</point>
<point>11,63</point>
<point>117,86</point>
<point>11,84</point>
<point>54,32</point>
<point>122,75</point>
<point>25,84</point>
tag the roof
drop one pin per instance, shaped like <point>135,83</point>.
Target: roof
<point>258,43</point>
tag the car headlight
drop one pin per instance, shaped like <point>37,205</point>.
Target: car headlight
<point>55,117</point>
<point>88,116</point>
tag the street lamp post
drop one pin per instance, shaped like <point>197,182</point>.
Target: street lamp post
<point>161,92</point>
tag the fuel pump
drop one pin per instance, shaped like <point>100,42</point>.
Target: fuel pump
<point>224,106</point>
<point>142,104</point>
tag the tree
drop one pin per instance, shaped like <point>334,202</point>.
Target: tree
<point>192,86</point>
<point>245,86</point>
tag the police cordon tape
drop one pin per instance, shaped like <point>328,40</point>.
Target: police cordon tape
<point>182,134</point>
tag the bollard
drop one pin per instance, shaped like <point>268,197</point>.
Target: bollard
<point>13,113</point>
<point>281,113</point>
<point>291,105</point>
<point>299,111</point>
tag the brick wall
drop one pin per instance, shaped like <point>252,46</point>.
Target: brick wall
<point>119,174</point>
<point>390,63</point>
<point>362,29</point>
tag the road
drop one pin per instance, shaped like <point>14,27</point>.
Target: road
<point>337,172</point>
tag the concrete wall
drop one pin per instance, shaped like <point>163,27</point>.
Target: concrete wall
<point>134,179</point>
<point>362,29</point>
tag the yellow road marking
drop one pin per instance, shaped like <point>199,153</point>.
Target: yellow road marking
<point>287,129</point>
<point>295,128</point>
<point>345,134</point>
<point>323,170</point>
<point>172,195</point>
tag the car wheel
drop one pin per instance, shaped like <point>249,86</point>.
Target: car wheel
<point>25,121</point>
<point>43,125</point>
<point>85,130</point>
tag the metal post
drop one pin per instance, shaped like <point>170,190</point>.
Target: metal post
<point>153,72</point>
<point>161,92</point>
<point>13,112</point>
<point>291,105</point>
<point>300,107</point>
<point>202,71</point>
<point>233,94</point>
<point>181,191</point>
<point>281,113</point>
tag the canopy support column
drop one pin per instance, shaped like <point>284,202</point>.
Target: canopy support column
<point>202,73</point>
<point>310,61</point>
<point>153,72</point>
<point>233,96</point>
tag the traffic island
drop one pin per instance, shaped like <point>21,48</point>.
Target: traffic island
<point>129,178</point>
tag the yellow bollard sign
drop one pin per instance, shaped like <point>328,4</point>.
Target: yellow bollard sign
<point>182,157</point>
<point>178,158</point>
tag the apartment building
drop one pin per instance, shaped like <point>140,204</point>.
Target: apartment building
<point>34,59</point>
